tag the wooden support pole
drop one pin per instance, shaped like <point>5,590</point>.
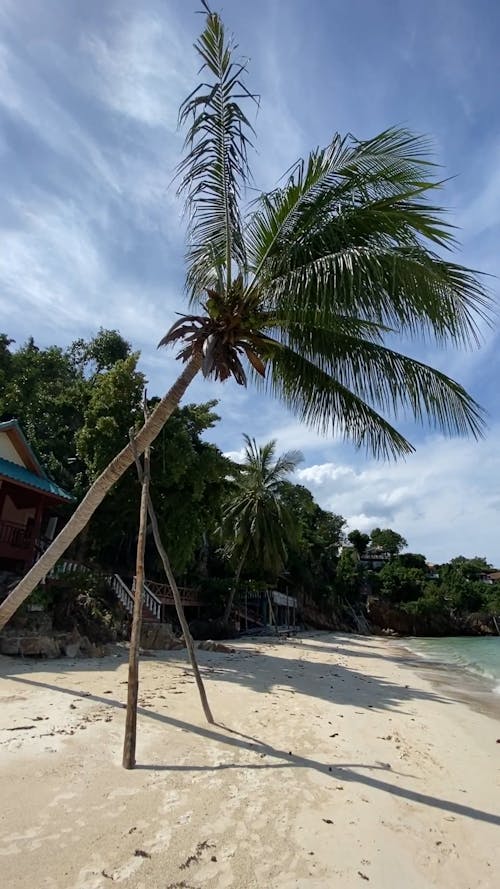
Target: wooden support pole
<point>129,743</point>
<point>177,600</point>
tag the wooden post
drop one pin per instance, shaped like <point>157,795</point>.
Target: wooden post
<point>135,636</point>
<point>246,609</point>
<point>176,597</point>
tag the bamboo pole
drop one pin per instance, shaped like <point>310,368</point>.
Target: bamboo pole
<point>177,600</point>
<point>129,742</point>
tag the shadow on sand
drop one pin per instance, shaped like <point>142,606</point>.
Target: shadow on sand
<point>267,673</point>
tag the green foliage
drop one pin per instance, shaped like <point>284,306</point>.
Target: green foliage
<point>413,560</point>
<point>401,584</point>
<point>257,526</point>
<point>349,577</point>
<point>313,554</point>
<point>457,589</point>
<point>47,395</point>
<point>470,568</point>
<point>431,602</point>
<point>387,540</point>
<point>322,270</point>
<point>188,483</point>
<point>359,541</point>
<point>76,407</point>
<point>112,409</point>
<point>101,352</point>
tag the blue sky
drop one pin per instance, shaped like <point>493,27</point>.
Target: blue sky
<point>91,229</point>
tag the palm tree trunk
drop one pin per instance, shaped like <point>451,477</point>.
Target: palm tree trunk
<point>177,601</point>
<point>96,494</point>
<point>135,635</point>
<point>229,603</point>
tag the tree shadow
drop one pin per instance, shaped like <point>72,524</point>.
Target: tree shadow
<point>348,772</point>
<point>265,672</point>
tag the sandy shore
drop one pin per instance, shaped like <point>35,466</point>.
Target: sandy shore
<point>334,763</point>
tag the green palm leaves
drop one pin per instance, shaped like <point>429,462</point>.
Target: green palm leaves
<point>306,286</point>
<point>256,522</point>
<point>215,167</point>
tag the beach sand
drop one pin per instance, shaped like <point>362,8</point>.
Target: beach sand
<point>334,763</point>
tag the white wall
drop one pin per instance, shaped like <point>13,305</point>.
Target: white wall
<point>8,451</point>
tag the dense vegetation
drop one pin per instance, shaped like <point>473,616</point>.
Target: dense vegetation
<point>452,588</point>
<point>77,405</point>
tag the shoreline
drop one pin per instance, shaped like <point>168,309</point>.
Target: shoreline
<point>480,693</point>
<point>334,762</point>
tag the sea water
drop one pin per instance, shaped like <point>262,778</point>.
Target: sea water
<point>477,655</point>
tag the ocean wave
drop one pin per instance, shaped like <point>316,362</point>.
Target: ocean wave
<point>476,656</point>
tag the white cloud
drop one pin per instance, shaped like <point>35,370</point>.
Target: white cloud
<point>52,269</point>
<point>142,70</point>
<point>444,499</point>
<point>25,95</point>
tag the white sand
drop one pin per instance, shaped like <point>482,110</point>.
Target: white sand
<point>342,767</point>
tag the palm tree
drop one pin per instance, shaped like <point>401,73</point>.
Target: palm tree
<point>302,288</point>
<point>256,522</point>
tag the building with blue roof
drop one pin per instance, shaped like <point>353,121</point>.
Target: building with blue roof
<point>29,501</point>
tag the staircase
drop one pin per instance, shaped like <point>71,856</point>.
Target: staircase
<point>156,595</point>
<point>151,609</point>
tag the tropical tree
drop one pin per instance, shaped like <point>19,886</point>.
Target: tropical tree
<point>314,551</point>
<point>359,541</point>
<point>302,288</point>
<point>256,523</point>
<point>388,540</point>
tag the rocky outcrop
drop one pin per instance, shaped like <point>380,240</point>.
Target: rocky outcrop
<point>49,645</point>
<point>383,617</point>
<point>315,617</point>
<point>159,637</point>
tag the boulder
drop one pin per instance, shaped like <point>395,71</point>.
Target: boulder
<point>39,646</point>
<point>70,643</point>
<point>210,645</point>
<point>9,645</point>
<point>159,637</point>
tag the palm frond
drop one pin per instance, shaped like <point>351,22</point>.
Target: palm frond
<point>389,380</point>
<point>331,408</point>
<point>215,167</point>
<point>352,232</point>
<point>255,520</point>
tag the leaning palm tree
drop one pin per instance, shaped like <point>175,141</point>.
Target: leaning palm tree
<point>256,524</point>
<point>302,289</point>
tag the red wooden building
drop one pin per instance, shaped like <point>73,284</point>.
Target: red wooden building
<point>29,502</point>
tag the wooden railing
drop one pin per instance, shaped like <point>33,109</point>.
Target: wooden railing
<point>65,566</point>
<point>126,596</point>
<point>163,593</point>
<point>150,600</point>
<point>16,535</point>
<point>121,591</point>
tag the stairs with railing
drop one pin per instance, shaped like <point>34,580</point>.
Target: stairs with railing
<point>156,596</point>
<point>151,609</point>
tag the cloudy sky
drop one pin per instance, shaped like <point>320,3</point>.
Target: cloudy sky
<point>92,234</point>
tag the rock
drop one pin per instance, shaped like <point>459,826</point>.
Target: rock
<point>71,649</point>
<point>70,644</point>
<point>9,645</point>
<point>39,646</point>
<point>85,647</point>
<point>96,650</point>
<point>159,637</point>
<point>210,645</point>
